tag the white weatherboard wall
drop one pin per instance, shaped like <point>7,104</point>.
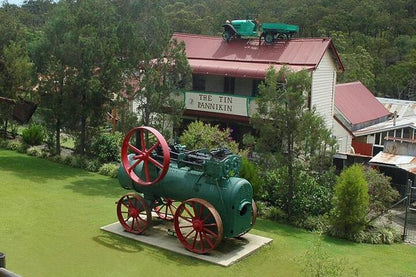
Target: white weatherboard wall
<point>343,138</point>
<point>323,89</point>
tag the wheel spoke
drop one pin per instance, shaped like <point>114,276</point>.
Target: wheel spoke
<point>201,241</point>
<point>135,149</point>
<point>192,215</point>
<point>209,215</point>
<point>189,233</point>
<point>212,233</point>
<point>208,240</point>
<point>171,209</point>
<point>156,163</point>
<point>201,209</point>
<point>151,149</point>
<point>142,141</point>
<point>133,166</point>
<point>185,226</point>
<point>195,238</point>
<point>186,219</point>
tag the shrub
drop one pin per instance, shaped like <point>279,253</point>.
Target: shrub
<point>319,223</point>
<point>33,135</point>
<point>376,235</point>
<point>350,202</point>
<point>106,148</point>
<point>382,195</point>
<point>310,198</point>
<point>93,165</point>
<point>250,172</point>
<point>109,169</point>
<point>200,135</point>
<point>34,151</point>
<point>16,145</point>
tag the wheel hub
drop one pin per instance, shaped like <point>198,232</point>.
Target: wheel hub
<point>198,225</point>
<point>133,212</point>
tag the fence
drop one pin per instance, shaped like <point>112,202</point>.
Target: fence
<point>404,214</point>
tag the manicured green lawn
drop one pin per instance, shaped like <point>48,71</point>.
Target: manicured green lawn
<point>51,214</point>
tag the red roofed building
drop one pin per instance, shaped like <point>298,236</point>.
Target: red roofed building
<point>226,75</point>
<point>356,108</point>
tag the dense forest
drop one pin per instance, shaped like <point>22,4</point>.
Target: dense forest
<point>375,39</point>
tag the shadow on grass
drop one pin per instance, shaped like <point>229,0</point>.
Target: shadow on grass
<point>36,169</point>
<point>96,187</point>
<point>118,243</point>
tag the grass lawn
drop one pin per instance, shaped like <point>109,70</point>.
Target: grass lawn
<point>51,214</point>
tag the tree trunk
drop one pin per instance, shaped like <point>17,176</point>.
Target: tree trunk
<point>83,136</point>
<point>291,191</point>
<point>58,137</point>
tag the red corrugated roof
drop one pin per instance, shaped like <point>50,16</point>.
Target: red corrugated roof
<point>296,53</point>
<point>357,103</point>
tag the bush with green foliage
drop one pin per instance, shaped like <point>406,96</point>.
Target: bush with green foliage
<point>381,193</point>
<point>350,202</point>
<point>106,147</point>
<point>199,135</point>
<point>310,198</point>
<point>33,135</point>
<point>109,169</point>
<point>34,151</point>
<point>377,235</point>
<point>250,172</point>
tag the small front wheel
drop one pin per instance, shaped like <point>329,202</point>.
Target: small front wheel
<point>269,37</point>
<point>226,35</point>
<point>133,213</point>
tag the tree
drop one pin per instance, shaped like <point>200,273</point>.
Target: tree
<point>350,202</point>
<point>290,135</point>
<point>155,68</point>
<point>15,66</point>
<point>161,83</point>
<point>79,63</point>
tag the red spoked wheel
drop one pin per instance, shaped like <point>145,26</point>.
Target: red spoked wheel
<point>198,225</point>
<point>253,218</point>
<point>133,213</point>
<point>145,137</point>
<point>165,209</point>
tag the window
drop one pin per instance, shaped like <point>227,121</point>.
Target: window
<point>229,84</point>
<point>198,82</point>
<point>255,89</point>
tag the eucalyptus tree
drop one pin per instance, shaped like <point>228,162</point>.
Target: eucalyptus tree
<point>155,66</point>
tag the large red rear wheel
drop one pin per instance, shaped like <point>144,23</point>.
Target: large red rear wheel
<point>148,140</point>
<point>198,225</point>
<point>133,213</point>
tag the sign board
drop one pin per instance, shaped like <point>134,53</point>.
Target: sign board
<point>216,103</point>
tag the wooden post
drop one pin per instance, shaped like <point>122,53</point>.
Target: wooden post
<point>114,119</point>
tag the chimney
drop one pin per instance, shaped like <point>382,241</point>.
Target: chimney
<point>394,118</point>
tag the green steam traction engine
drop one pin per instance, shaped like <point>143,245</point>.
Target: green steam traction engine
<point>197,190</point>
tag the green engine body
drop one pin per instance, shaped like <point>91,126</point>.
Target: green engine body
<point>214,181</point>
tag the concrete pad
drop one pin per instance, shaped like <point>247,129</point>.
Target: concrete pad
<point>229,251</point>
